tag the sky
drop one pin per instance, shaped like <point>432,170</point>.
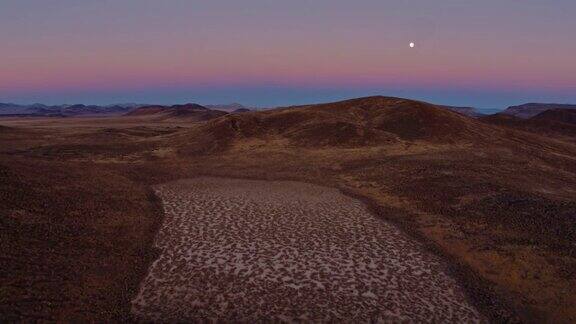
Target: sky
<point>488,54</point>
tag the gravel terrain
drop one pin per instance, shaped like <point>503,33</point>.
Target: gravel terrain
<point>245,250</point>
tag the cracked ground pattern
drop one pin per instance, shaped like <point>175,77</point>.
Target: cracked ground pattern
<point>253,251</point>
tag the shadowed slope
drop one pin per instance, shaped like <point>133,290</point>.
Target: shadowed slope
<point>555,122</point>
<point>567,116</point>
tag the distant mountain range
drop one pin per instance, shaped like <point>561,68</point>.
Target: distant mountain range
<point>8,109</point>
<point>530,110</point>
<point>524,111</point>
<point>40,110</point>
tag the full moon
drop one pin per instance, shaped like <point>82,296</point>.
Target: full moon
<point>412,45</point>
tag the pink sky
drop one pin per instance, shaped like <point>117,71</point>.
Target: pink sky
<point>62,46</point>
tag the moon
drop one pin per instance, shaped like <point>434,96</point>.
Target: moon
<point>412,45</point>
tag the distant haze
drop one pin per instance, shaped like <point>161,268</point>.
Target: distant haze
<point>487,54</point>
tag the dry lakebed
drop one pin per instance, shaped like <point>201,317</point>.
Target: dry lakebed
<point>247,250</point>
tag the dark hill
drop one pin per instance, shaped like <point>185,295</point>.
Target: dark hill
<point>366,121</point>
<point>193,112</point>
<point>567,116</point>
<point>555,122</point>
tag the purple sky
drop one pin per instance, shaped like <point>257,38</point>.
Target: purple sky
<point>261,52</point>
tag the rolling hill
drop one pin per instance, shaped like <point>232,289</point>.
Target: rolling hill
<point>366,121</point>
<point>190,112</point>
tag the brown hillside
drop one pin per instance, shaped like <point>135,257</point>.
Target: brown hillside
<point>555,122</point>
<point>503,120</point>
<point>567,116</point>
<point>364,121</point>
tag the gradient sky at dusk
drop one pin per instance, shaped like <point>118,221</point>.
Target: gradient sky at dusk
<point>489,53</point>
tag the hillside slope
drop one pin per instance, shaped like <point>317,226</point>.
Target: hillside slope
<point>366,121</point>
<point>566,116</point>
<point>554,122</point>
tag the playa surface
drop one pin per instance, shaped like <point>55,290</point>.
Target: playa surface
<point>246,250</point>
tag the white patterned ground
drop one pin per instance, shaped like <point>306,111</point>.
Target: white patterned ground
<point>243,250</point>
